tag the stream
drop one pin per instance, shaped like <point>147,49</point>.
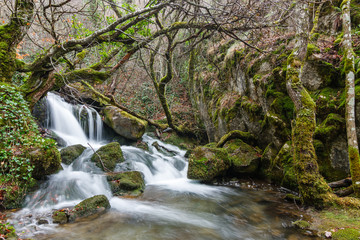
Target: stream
<point>172,206</point>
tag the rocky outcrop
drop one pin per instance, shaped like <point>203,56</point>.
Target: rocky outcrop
<point>108,156</point>
<point>69,154</point>
<point>123,123</point>
<point>126,184</point>
<point>207,163</point>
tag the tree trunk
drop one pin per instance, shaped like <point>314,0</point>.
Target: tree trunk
<point>312,186</point>
<point>11,35</point>
<point>353,147</point>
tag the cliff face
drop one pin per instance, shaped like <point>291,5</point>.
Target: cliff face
<point>244,89</point>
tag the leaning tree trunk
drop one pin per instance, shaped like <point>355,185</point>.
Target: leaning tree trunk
<point>312,186</point>
<point>353,147</point>
<point>11,35</point>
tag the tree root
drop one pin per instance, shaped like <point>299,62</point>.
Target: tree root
<point>341,183</point>
<point>236,134</point>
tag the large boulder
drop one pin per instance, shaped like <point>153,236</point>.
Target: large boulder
<point>108,156</point>
<point>126,183</point>
<point>69,154</point>
<point>123,123</point>
<point>207,163</point>
<point>244,158</point>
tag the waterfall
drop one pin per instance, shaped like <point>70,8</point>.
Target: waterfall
<point>172,206</point>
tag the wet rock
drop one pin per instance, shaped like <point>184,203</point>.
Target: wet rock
<point>60,216</point>
<point>163,150</point>
<point>69,154</point>
<point>95,205</point>
<point>123,123</point>
<point>244,158</point>
<point>142,145</point>
<point>126,183</point>
<point>207,163</point>
<point>42,221</point>
<point>108,156</point>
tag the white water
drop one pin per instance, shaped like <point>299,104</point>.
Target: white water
<point>172,206</point>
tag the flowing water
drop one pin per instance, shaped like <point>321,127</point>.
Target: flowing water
<point>172,206</point>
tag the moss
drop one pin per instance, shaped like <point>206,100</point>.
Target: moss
<point>89,207</point>
<point>60,217</point>
<point>354,160</point>
<point>329,100</point>
<point>69,154</point>
<point>126,183</point>
<point>281,169</point>
<point>346,234</point>
<point>207,163</point>
<point>301,224</point>
<point>108,156</point>
<point>332,126</point>
<point>311,49</point>
<point>245,136</point>
<point>244,158</point>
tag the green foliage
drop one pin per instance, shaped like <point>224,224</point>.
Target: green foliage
<point>18,136</point>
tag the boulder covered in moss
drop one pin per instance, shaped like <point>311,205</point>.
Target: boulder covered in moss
<point>95,205</point>
<point>108,156</point>
<point>126,183</point>
<point>69,154</point>
<point>207,163</point>
<point>46,160</point>
<point>244,158</point>
<point>61,216</point>
<point>123,123</point>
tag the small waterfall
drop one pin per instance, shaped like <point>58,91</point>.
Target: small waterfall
<point>172,206</point>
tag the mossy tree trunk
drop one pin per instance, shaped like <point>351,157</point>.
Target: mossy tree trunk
<point>353,147</point>
<point>160,85</point>
<point>313,188</point>
<point>11,35</point>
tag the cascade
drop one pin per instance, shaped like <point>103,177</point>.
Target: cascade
<point>172,206</point>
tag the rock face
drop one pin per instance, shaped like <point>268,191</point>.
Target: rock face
<point>126,183</point>
<point>108,156</point>
<point>244,158</point>
<point>69,154</point>
<point>207,163</point>
<point>94,205</point>
<point>123,123</point>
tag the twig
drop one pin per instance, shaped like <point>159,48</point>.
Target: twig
<point>105,168</point>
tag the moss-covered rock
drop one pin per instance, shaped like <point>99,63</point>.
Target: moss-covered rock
<point>244,158</point>
<point>91,206</point>
<point>69,154</point>
<point>123,123</point>
<point>206,163</point>
<point>301,224</point>
<point>46,161</point>
<point>60,216</point>
<point>346,234</point>
<point>108,156</point>
<point>126,183</point>
<point>281,169</point>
